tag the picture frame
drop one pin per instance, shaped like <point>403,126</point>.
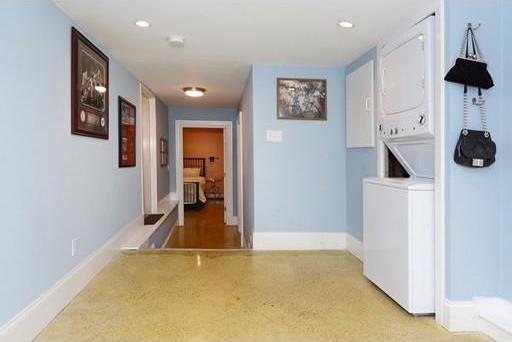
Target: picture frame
<point>89,88</point>
<point>127,133</point>
<point>164,152</point>
<point>301,99</point>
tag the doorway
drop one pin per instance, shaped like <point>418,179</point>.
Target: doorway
<point>148,151</point>
<point>204,179</point>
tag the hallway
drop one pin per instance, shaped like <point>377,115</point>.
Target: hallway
<point>204,228</point>
<point>238,296</point>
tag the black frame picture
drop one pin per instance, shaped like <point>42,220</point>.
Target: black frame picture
<point>301,99</point>
<point>89,70</point>
<point>127,133</point>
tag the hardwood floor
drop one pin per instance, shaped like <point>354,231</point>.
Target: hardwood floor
<point>205,228</point>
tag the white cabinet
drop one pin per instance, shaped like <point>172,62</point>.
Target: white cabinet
<point>360,109</point>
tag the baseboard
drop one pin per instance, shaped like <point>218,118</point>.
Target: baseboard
<point>169,235</point>
<point>492,316</point>
<point>355,246</point>
<point>28,323</point>
<point>495,317</point>
<point>233,221</point>
<point>460,316</point>
<point>299,241</point>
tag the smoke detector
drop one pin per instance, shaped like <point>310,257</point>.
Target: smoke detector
<point>176,41</point>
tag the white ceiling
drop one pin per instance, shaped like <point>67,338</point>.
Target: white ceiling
<point>224,37</point>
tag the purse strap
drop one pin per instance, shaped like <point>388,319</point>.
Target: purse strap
<point>480,102</point>
<point>464,49</point>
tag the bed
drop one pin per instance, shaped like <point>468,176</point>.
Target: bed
<point>194,182</point>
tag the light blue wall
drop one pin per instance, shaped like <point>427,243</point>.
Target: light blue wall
<point>361,163</point>
<point>55,186</point>
<point>204,114</point>
<point>162,127</point>
<point>246,107</point>
<point>299,184</point>
<point>506,209</point>
<point>473,196</point>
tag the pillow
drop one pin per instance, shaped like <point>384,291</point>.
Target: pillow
<point>191,172</point>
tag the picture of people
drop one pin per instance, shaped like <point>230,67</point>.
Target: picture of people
<point>89,88</point>
<point>93,75</point>
<point>301,99</point>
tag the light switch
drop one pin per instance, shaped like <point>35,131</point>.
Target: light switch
<point>274,136</point>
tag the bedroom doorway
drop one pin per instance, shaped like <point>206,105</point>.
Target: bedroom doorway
<point>205,186</point>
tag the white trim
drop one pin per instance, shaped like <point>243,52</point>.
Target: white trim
<point>146,92</point>
<point>173,196</point>
<point>459,316</point>
<point>491,316</point>
<point>299,241</point>
<point>169,236</point>
<point>232,221</point>
<point>228,163</point>
<point>440,167</point>
<point>355,246</point>
<point>240,177</point>
<point>28,323</point>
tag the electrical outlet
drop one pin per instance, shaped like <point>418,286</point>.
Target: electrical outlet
<point>73,247</point>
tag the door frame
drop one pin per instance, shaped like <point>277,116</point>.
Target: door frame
<point>149,182</point>
<point>227,127</point>
<point>240,176</point>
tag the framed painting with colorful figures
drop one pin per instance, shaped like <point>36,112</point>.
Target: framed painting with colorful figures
<point>127,133</point>
<point>89,88</point>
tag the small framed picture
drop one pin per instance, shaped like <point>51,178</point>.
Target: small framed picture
<point>89,88</point>
<point>164,152</point>
<point>127,133</point>
<point>301,99</point>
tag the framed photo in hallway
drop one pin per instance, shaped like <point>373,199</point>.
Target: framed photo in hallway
<point>164,152</point>
<point>301,99</point>
<point>89,88</point>
<point>127,133</point>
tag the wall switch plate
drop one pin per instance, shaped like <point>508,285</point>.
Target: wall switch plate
<point>274,136</point>
<point>73,247</point>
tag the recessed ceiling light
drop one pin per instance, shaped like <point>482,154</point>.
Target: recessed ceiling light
<point>345,24</point>
<point>142,23</point>
<point>194,91</point>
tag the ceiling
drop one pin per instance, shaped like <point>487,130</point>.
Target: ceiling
<point>224,37</point>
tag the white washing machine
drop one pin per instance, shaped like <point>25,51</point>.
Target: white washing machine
<point>398,214</point>
<point>399,240</point>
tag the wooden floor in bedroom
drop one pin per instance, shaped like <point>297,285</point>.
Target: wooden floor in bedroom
<point>204,228</point>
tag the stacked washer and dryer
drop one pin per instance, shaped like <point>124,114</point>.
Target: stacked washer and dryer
<point>399,212</point>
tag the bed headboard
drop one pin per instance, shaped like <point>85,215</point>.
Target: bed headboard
<point>199,163</point>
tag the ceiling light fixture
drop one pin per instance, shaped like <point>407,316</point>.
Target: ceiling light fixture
<point>142,23</point>
<point>194,91</point>
<point>345,24</point>
<point>176,41</point>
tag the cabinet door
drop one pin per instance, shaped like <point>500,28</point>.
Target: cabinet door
<point>360,109</point>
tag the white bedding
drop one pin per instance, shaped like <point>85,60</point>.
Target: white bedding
<point>202,185</point>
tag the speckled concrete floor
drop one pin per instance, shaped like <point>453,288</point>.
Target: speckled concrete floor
<point>238,296</point>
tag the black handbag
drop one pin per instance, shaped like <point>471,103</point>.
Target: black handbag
<point>469,68</point>
<point>474,148</point>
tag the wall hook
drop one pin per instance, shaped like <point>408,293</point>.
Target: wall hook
<point>471,26</point>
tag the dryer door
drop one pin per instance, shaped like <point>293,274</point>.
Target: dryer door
<point>403,77</point>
